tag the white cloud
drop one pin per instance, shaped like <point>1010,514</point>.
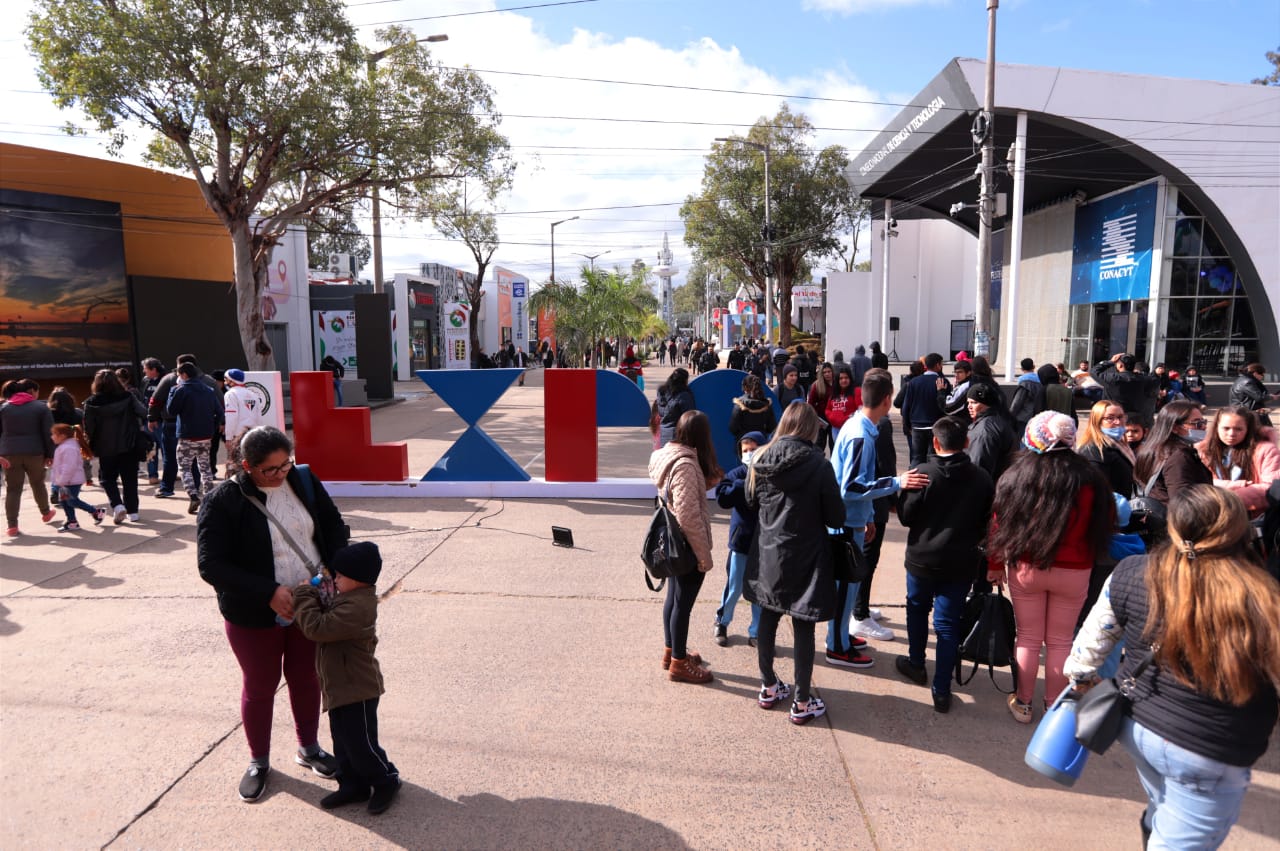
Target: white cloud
<point>598,164</point>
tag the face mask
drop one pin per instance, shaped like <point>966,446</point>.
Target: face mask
<point>746,456</point>
<point>1116,433</point>
<point>1195,435</point>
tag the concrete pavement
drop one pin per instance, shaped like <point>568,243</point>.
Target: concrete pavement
<point>525,706</point>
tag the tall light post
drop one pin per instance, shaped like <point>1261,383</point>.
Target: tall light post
<point>372,61</point>
<point>986,197</point>
<point>768,236</point>
<point>591,257</point>
<point>553,245</point>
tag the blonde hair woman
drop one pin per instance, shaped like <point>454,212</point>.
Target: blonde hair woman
<point>1202,712</point>
<point>1101,440</point>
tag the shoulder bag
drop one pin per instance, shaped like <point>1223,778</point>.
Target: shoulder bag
<point>1102,708</point>
<point>1148,515</point>
<point>666,551</point>
<point>848,562</point>
<point>987,637</point>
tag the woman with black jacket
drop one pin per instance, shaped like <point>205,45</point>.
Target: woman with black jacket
<point>674,398</point>
<point>1168,456</point>
<point>1201,712</point>
<point>254,565</point>
<point>1101,440</point>
<point>752,411</point>
<point>112,422</point>
<point>789,571</point>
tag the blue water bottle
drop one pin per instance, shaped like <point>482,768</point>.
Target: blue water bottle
<point>1054,751</point>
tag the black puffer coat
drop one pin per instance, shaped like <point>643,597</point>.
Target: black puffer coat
<point>112,423</point>
<point>789,566</point>
<point>670,408</point>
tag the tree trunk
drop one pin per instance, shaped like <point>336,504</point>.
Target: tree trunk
<point>476,295</point>
<point>784,313</point>
<point>250,281</point>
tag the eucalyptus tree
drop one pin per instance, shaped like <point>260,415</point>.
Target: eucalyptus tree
<point>272,106</point>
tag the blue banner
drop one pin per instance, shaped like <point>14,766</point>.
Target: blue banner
<point>1111,251</point>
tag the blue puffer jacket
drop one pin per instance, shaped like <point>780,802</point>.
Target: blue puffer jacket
<point>197,410</point>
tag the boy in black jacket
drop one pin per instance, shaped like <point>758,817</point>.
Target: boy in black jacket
<point>948,521</point>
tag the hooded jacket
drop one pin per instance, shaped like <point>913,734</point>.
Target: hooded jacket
<point>1134,392</point>
<point>947,519</point>
<point>346,637</point>
<point>677,465</point>
<point>25,424</point>
<point>731,493</point>
<point>1248,392</point>
<point>991,442</point>
<point>669,410</point>
<point>112,423</point>
<point>1028,399</point>
<point>751,415</point>
<point>789,567</point>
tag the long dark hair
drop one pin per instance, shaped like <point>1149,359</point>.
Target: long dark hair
<point>1160,441</point>
<point>694,431</point>
<point>677,381</point>
<point>106,383</point>
<point>1034,501</point>
<point>843,369</point>
<point>61,401</point>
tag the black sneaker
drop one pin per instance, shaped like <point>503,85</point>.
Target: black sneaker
<point>321,762</point>
<point>163,494</point>
<point>254,783</point>
<point>382,797</point>
<point>193,507</point>
<point>722,635</point>
<point>850,658</point>
<point>942,702</point>
<point>919,676</point>
<point>345,795</point>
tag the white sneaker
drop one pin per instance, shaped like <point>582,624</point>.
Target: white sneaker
<point>118,514</point>
<point>870,629</point>
<point>875,614</point>
<point>133,518</point>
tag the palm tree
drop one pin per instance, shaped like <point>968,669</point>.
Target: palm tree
<point>606,304</point>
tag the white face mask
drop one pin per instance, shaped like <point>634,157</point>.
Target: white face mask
<point>746,456</point>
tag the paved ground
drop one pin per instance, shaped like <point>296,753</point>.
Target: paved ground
<point>525,704</point>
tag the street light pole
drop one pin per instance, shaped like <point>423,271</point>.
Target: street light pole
<point>986,196</point>
<point>553,245</point>
<point>768,235</point>
<point>592,257</point>
<point>376,201</point>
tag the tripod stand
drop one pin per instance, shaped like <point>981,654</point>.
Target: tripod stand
<point>893,352</point>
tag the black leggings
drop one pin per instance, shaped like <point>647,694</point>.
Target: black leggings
<point>862,605</point>
<point>682,593</point>
<point>803,631</point>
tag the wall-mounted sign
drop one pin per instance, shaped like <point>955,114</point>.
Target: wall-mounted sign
<point>1111,251</point>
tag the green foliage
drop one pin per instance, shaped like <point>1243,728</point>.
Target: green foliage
<point>1272,79</point>
<point>336,232</point>
<point>271,106</point>
<point>809,196</point>
<point>606,304</point>
<point>864,266</point>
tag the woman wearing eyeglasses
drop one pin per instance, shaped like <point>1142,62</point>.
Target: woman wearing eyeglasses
<point>1168,454</point>
<point>259,535</point>
<point>1101,440</point>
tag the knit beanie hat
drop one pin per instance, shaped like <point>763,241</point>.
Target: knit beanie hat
<point>1048,431</point>
<point>361,562</point>
<point>236,375</point>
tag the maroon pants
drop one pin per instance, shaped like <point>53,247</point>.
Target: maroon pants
<point>263,654</point>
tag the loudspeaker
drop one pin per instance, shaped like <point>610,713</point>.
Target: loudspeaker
<point>894,323</point>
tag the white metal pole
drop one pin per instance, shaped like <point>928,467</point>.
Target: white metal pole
<point>884,282</point>
<point>1010,342</point>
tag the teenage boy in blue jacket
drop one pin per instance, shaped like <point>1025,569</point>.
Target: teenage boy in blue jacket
<point>199,413</point>
<point>854,459</point>
<point>731,492</point>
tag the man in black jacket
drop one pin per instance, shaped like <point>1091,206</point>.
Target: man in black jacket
<point>948,520</point>
<point>1130,390</point>
<point>991,436</point>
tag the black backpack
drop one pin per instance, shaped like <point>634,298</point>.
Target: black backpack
<point>987,637</point>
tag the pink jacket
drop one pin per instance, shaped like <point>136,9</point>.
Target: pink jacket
<point>678,464</point>
<point>68,468</point>
<point>1266,469</point>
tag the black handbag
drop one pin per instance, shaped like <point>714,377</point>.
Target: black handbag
<point>1101,709</point>
<point>1148,516</point>
<point>988,636</point>
<point>666,551</point>
<point>848,562</point>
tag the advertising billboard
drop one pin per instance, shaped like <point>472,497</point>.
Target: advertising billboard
<point>1111,251</point>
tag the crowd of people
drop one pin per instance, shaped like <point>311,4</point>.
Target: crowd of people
<point>169,427</point>
<point>1013,489</point>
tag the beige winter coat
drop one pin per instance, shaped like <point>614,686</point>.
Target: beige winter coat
<point>678,464</point>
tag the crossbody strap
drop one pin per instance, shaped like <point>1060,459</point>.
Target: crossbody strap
<point>312,567</point>
<point>1146,491</point>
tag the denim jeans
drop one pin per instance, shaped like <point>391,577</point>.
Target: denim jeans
<point>921,443</point>
<point>846,596</point>
<point>153,464</point>
<point>169,451</point>
<point>947,601</point>
<point>732,591</point>
<point>69,499</point>
<point>1194,800</point>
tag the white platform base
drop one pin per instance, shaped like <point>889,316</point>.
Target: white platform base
<point>532,489</point>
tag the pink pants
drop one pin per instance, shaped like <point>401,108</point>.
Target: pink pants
<point>1046,605</point>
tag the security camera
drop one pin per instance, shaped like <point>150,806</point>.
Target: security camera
<point>956,209</point>
<point>1079,197</point>
<point>893,223</point>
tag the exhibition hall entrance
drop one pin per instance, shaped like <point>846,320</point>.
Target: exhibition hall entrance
<point>1099,331</point>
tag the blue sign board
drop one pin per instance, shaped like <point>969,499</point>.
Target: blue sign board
<point>517,289</point>
<point>1111,252</point>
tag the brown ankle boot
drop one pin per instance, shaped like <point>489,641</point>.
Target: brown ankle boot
<point>693,658</point>
<point>685,671</point>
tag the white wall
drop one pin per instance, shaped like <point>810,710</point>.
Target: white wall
<point>932,274</point>
<point>291,295</point>
<point>1044,286</point>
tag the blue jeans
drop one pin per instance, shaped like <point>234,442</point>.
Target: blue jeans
<point>337,391</point>
<point>946,599</point>
<point>153,465</point>
<point>1194,800</point>
<point>69,499</point>
<point>169,449</point>
<point>732,591</point>
<point>846,596</point>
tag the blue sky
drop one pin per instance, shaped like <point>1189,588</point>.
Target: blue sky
<point>626,177</point>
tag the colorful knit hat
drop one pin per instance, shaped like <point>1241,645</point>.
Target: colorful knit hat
<point>1048,431</point>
